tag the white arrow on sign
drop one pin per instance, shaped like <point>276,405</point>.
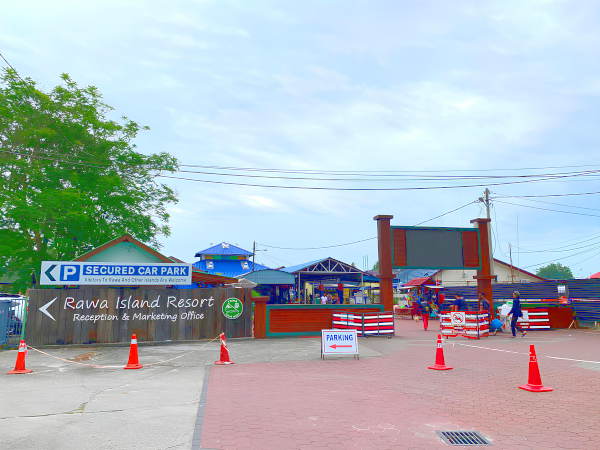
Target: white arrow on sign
<point>44,309</point>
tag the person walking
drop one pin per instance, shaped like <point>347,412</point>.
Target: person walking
<point>425,310</point>
<point>515,313</point>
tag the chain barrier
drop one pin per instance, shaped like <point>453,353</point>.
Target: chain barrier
<point>99,366</point>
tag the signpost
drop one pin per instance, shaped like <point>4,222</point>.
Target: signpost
<point>115,274</point>
<point>339,342</point>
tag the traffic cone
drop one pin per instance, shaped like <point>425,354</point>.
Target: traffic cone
<point>20,363</point>
<point>224,356</point>
<point>534,384</point>
<point>133,362</point>
<point>439,357</point>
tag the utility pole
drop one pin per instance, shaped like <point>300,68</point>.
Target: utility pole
<point>486,201</point>
<point>253,254</point>
<point>512,276</point>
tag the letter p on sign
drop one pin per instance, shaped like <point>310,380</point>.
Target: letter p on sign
<point>69,273</point>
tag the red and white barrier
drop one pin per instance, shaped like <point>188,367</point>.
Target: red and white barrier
<point>472,325</point>
<point>365,324</point>
<point>535,319</point>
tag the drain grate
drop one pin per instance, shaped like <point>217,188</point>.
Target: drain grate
<point>463,438</point>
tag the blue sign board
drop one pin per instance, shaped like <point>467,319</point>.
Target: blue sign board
<point>114,274</point>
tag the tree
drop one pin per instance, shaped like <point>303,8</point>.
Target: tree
<point>70,177</point>
<point>555,271</point>
<point>376,266</point>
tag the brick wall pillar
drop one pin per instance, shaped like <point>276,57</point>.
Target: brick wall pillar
<point>260,317</point>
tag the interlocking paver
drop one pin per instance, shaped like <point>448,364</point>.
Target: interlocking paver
<point>393,401</point>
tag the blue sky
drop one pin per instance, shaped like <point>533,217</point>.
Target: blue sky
<point>338,85</point>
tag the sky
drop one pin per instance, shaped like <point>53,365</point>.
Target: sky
<point>348,86</point>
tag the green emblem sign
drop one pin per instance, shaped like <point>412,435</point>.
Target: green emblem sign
<point>232,308</point>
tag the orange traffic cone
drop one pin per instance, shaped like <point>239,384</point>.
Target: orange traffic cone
<point>534,384</point>
<point>440,364</point>
<point>224,357</point>
<point>20,363</point>
<point>133,362</point>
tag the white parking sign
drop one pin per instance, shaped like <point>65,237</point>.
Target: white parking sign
<point>339,342</point>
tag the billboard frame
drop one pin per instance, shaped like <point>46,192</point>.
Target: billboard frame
<point>459,229</point>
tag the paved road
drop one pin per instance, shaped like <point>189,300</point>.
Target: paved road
<point>280,395</point>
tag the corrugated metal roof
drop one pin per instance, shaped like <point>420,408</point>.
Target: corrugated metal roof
<point>224,248</point>
<point>227,268</point>
<point>269,276</point>
<point>545,289</point>
<point>299,267</point>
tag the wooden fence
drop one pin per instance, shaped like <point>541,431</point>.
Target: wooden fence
<point>110,315</point>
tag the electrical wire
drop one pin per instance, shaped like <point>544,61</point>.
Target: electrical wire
<point>564,257</point>
<point>563,248</point>
<point>325,188</point>
<point>363,240</point>
<point>446,213</point>
<point>548,209</point>
<point>404,177</point>
<point>318,248</point>
<point>560,204</point>
<point>547,195</point>
<point>259,169</point>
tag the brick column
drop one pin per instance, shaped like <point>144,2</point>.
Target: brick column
<point>386,276</point>
<point>484,275</point>
<point>260,317</point>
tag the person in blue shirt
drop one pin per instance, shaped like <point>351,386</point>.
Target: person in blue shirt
<point>459,303</point>
<point>515,313</point>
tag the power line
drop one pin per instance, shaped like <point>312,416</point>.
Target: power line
<point>562,204</point>
<point>562,248</point>
<point>319,248</point>
<point>367,239</point>
<point>547,195</point>
<point>446,213</point>
<point>315,171</point>
<point>563,257</point>
<point>548,209</point>
<point>403,176</point>
<point>324,188</point>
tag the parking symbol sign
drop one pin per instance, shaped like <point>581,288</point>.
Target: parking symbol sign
<point>69,273</point>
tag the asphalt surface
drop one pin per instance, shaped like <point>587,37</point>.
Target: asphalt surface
<point>70,405</point>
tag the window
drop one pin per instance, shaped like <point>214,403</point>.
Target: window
<point>210,265</point>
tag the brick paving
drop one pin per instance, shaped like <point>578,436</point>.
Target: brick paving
<point>393,401</point>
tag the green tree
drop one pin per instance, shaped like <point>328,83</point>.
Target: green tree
<point>376,266</point>
<point>555,271</point>
<point>70,177</point>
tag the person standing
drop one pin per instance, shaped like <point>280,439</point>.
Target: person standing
<point>484,305</point>
<point>515,313</point>
<point>323,299</point>
<point>425,310</point>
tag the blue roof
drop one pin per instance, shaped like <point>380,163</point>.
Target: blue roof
<point>224,248</point>
<point>298,267</point>
<point>227,267</point>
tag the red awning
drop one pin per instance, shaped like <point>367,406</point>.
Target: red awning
<point>206,278</point>
<point>419,281</point>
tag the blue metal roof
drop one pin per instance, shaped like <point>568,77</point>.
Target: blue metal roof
<point>299,267</point>
<point>227,267</point>
<point>270,276</point>
<point>224,248</point>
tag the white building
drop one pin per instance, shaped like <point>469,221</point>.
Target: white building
<point>504,272</point>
